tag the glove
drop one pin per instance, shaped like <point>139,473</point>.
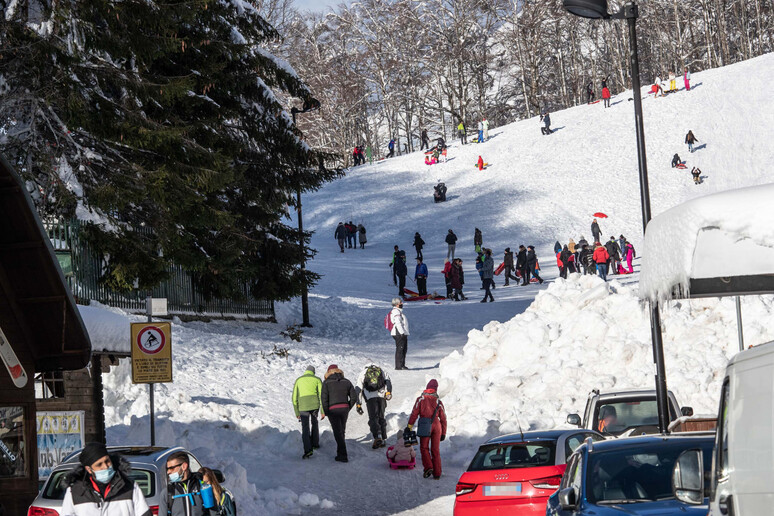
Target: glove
<point>443,437</point>
<point>388,396</point>
<point>359,409</point>
<point>409,427</point>
<point>390,265</point>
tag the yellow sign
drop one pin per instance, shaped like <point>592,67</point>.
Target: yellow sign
<point>151,352</point>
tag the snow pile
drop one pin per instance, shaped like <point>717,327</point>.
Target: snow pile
<point>671,255</point>
<point>582,334</point>
<point>108,328</point>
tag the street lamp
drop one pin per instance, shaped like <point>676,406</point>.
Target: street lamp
<point>596,9</point>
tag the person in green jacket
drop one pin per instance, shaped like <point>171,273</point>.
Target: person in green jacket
<point>307,402</point>
<point>462,132</point>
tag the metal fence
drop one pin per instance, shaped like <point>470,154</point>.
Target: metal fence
<point>83,269</point>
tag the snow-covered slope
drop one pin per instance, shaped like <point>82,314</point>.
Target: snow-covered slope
<point>230,401</point>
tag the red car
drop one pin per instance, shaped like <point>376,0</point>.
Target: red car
<point>515,474</point>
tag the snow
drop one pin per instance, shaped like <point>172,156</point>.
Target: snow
<point>108,328</point>
<point>686,241</point>
<point>530,357</point>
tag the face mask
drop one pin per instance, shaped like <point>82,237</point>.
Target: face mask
<point>105,475</point>
<point>174,477</point>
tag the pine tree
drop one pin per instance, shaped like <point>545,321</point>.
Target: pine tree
<point>161,122</point>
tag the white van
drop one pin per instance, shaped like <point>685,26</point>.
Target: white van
<point>742,478</point>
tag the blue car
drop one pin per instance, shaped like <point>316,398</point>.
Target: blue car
<point>629,476</point>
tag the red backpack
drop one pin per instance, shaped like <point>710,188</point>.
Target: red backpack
<point>388,321</point>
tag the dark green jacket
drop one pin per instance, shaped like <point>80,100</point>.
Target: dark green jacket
<point>306,393</point>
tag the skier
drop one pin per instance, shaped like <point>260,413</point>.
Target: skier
<point>487,275</point>
<point>521,265</point>
<point>606,96</point>
<point>391,148</point>
<point>399,332</point>
<point>676,160</point>
<point>447,267</point>
<point>425,141</point>
<point>600,259</point>
<point>508,267</point>
<point>590,92</point>
<point>690,139</point>
<point>486,129</point>
<point>630,254</point>
<point>478,240</point>
<point>401,271</point>
<point>596,231</point>
<point>546,119</point>
<point>420,277</point>
<point>375,387</point>
<point>341,235</point>
<point>687,79</point>
<point>307,400</point>
<point>361,230</point>
<point>338,397</point>
<point>429,406</point>
<point>696,173</point>
<point>480,131</point>
<point>451,240</point>
<point>182,481</point>
<point>418,243</point>
<point>532,263</point>
<point>615,255</point>
<point>462,132</point>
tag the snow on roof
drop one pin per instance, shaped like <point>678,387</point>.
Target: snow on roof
<point>108,328</point>
<point>726,234</point>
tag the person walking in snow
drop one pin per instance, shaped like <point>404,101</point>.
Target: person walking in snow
<point>564,261</point>
<point>420,277</point>
<point>224,500</point>
<point>418,244</point>
<point>532,264</point>
<point>401,452</point>
<point>595,230</point>
<point>687,79</point>
<point>521,265</point>
<point>587,259</point>
<point>338,398</point>
<point>307,400</point>
<point>480,131</point>
<point>546,119</point>
<point>392,265</point>
<point>355,157</point>
<point>615,255</point>
<point>462,133</point>
<point>457,277</point>
<point>375,387</point>
<point>100,486</point>
<point>341,235</point>
<point>401,271</point>
<point>589,92</point>
<point>630,254</point>
<point>485,123</point>
<point>391,148</point>
<point>557,247</point>
<point>351,235</point>
<point>690,139</point>
<point>622,246</point>
<point>508,267</point>
<point>425,140</point>
<point>478,239</point>
<point>447,267</point>
<point>182,481</point>
<point>606,96</point>
<point>429,406</point>
<point>451,241</point>
<point>399,332</point>
<point>600,259</point>
<point>361,231</point>
<point>487,275</point>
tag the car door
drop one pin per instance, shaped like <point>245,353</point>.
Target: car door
<point>572,478</point>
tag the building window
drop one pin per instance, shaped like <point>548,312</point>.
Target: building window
<point>49,385</point>
<point>12,445</point>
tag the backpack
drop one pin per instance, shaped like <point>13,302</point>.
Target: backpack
<point>388,321</point>
<point>374,379</point>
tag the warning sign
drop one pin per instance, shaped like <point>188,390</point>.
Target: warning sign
<point>151,352</point>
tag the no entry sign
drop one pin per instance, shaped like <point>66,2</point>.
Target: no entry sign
<point>151,352</point>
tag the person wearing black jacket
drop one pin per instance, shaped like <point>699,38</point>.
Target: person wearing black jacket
<point>101,486</point>
<point>478,240</point>
<point>451,240</point>
<point>596,231</point>
<point>508,267</point>
<point>615,255</point>
<point>392,265</point>
<point>183,481</point>
<point>532,263</point>
<point>419,243</point>
<point>521,265</point>
<point>338,398</point>
<point>400,270</point>
<point>425,140</point>
<point>564,257</point>
<point>587,260</point>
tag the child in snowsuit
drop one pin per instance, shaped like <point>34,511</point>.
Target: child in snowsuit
<point>696,173</point>
<point>630,254</point>
<point>690,139</point>
<point>401,451</point>
<point>687,79</point>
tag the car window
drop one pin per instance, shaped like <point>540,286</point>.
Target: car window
<point>569,473</point>
<point>572,443</point>
<point>514,455</point>
<point>617,416</point>
<point>194,464</point>
<point>722,451</point>
<point>57,485</point>
<point>577,476</point>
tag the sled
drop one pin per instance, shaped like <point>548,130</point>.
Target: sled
<point>428,297</point>
<point>594,102</point>
<point>499,269</point>
<point>621,269</point>
<point>485,166</point>
<point>400,464</point>
<point>410,292</point>
<point>681,166</point>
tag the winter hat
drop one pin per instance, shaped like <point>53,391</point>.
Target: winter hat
<point>92,452</point>
<point>400,435</point>
<point>310,368</point>
<point>332,367</point>
<point>432,384</point>
<point>531,247</point>
<point>507,249</point>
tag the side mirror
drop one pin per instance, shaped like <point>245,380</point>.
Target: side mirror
<point>219,476</point>
<point>688,477</point>
<point>574,419</point>
<point>686,411</point>
<point>568,498</point>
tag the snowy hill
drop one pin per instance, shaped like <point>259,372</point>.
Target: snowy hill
<point>230,402</point>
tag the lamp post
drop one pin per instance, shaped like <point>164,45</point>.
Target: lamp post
<point>597,9</point>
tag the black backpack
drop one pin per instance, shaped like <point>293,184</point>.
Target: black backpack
<point>374,379</point>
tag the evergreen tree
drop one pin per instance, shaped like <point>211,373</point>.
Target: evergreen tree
<point>160,122</point>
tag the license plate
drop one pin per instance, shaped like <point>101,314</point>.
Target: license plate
<point>504,489</point>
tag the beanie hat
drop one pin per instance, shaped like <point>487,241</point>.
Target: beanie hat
<point>331,367</point>
<point>507,249</point>
<point>432,384</point>
<point>310,368</point>
<point>92,452</point>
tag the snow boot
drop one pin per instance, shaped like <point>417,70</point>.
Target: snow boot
<point>341,459</point>
<point>428,473</point>
<point>307,454</point>
<point>540,280</point>
<point>378,443</point>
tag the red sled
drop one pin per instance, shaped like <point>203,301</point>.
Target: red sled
<point>410,292</point>
<point>595,102</point>
<point>499,269</point>
<point>621,270</point>
<point>681,165</point>
<point>400,464</point>
<point>424,298</point>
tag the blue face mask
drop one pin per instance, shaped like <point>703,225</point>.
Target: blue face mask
<point>174,477</point>
<point>104,476</point>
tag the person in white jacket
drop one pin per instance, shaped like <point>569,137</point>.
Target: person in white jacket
<point>399,332</point>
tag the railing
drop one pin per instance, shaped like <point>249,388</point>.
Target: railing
<point>83,270</point>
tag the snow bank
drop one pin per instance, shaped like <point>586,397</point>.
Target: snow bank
<point>582,334</point>
<point>720,235</point>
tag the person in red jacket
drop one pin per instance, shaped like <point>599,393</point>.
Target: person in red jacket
<point>600,258</point>
<point>428,405</point>
<point>606,96</point>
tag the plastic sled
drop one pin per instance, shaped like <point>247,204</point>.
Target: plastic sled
<point>499,269</point>
<point>401,464</point>
<point>681,166</point>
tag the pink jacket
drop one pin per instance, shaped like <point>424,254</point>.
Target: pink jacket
<point>401,452</point>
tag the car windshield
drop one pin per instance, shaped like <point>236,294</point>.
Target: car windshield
<point>643,474</point>
<point>56,487</point>
<point>615,417</point>
<point>514,455</point>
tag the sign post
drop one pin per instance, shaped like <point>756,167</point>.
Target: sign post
<point>151,358</point>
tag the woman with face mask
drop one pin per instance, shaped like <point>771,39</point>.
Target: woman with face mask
<point>101,487</point>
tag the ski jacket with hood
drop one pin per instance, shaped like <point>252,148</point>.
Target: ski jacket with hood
<point>531,258</point>
<point>690,138</point>
<point>307,392</point>
<point>400,267</point>
<point>478,239</point>
<point>595,231</point>
<point>421,270</point>
<point>612,249</point>
<point>425,406</point>
<point>508,260</point>
<point>399,322</point>
<point>564,257</point>
<point>341,232</point>
<point>362,230</point>
<point>121,497</point>
<point>454,277</point>
<point>521,259</point>
<point>600,255</point>
<point>365,393</point>
<point>418,242</point>
<point>451,238</point>
<point>447,267</point>
<point>400,452</point>
<point>337,391</point>
<point>487,270</point>
<point>186,505</point>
